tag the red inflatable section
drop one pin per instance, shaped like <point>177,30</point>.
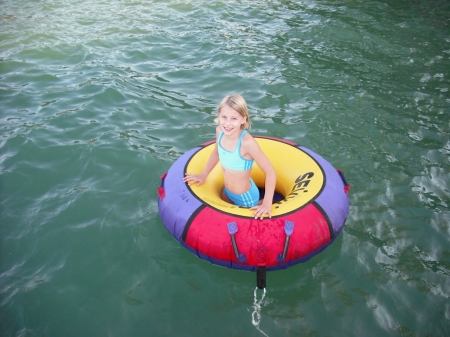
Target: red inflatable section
<point>261,241</point>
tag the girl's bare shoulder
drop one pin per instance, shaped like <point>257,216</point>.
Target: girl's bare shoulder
<point>218,130</point>
<point>249,143</point>
<point>248,139</point>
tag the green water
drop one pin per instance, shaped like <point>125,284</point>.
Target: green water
<point>99,98</point>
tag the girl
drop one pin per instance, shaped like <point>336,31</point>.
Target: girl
<point>236,150</point>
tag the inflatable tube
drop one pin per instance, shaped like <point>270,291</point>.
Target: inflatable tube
<point>307,217</point>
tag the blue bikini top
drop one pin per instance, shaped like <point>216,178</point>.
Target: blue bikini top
<point>234,160</point>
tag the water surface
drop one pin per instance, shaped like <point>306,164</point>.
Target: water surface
<point>99,98</point>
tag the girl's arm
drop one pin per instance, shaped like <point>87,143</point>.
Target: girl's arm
<point>210,164</point>
<point>201,178</point>
<point>253,149</point>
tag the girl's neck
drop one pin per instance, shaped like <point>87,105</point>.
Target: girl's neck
<point>229,142</point>
<point>234,137</point>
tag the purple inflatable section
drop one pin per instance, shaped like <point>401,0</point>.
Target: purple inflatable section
<point>333,199</point>
<point>178,204</point>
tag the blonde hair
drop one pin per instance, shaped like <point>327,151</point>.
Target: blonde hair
<point>236,102</point>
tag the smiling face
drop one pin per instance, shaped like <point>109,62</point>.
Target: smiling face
<point>230,121</point>
<point>236,103</point>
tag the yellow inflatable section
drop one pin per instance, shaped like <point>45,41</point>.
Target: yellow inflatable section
<point>299,178</point>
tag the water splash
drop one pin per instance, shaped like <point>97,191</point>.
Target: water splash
<point>257,305</point>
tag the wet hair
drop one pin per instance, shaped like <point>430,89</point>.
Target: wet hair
<point>236,102</point>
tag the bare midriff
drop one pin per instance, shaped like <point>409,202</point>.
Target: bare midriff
<point>237,182</point>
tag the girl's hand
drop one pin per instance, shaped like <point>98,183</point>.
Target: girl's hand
<point>194,178</point>
<point>263,209</point>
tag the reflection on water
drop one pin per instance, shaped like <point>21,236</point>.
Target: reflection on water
<point>100,98</point>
